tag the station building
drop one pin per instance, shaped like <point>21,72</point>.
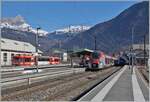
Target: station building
<point>9,48</point>
<point>139,50</point>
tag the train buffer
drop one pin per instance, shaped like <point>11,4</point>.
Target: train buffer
<point>123,86</point>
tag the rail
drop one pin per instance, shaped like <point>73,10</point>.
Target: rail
<point>18,68</point>
<point>35,75</point>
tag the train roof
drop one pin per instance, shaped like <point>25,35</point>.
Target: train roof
<point>23,56</point>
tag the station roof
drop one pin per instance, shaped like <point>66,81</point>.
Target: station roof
<point>82,52</point>
<point>141,55</point>
<point>140,46</point>
<point>18,46</point>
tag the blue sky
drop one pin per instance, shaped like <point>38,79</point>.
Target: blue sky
<point>55,15</point>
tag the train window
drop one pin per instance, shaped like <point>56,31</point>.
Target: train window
<point>27,59</point>
<point>56,60</point>
<point>51,59</point>
<point>39,59</point>
<point>5,57</point>
<point>95,55</point>
<point>43,59</point>
<point>16,59</point>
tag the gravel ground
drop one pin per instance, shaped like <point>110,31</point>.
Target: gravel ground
<point>63,88</point>
<point>144,73</point>
<point>75,91</point>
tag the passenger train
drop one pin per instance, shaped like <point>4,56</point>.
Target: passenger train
<point>98,60</point>
<point>29,60</point>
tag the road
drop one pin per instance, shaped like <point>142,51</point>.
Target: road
<point>122,86</point>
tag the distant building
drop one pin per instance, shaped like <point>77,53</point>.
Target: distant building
<point>139,50</point>
<point>140,47</point>
<point>9,48</point>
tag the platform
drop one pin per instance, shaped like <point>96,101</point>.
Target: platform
<point>123,86</point>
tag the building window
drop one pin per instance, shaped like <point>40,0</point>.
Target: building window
<point>12,55</point>
<point>2,41</point>
<point>15,43</point>
<point>5,57</point>
<point>25,44</point>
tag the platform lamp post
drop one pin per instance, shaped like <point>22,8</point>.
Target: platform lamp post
<point>36,48</point>
<point>132,50</point>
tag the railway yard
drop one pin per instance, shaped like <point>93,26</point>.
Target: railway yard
<point>60,83</point>
<point>75,51</point>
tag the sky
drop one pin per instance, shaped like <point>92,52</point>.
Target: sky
<point>55,15</point>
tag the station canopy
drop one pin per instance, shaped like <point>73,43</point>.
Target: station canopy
<point>82,52</point>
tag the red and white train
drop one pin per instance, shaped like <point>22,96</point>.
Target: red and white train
<point>29,60</point>
<point>98,60</point>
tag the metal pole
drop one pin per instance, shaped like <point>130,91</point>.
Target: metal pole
<point>0,50</point>
<point>130,59</point>
<point>81,37</point>
<point>36,57</point>
<point>71,61</point>
<point>95,42</point>
<point>132,50</point>
<point>60,48</point>
<point>144,52</point>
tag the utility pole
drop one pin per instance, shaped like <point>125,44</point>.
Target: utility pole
<point>0,46</point>
<point>60,48</point>
<point>71,61</point>
<point>36,48</point>
<point>130,58</point>
<point>81,37</point>
<point>145,51</point>
<point>95,43</point>
<point>132,49</point>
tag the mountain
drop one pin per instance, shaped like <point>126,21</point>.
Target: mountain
<point>111,36</point>
<point>18,23</point>
<point>115,34</point>
<point>44,43</point>
<point>68,32</point>
<point>72,29</point>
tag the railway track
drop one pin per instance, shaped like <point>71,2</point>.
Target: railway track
<point>35,77</point>
<point>20,73</point>
<point>61,88</point>
<point>18,68</point>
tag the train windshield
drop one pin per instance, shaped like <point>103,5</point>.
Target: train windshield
<point>95,55</point>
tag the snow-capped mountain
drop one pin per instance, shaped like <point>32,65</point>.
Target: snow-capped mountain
<point>72,29</point>
<point>18,23</point>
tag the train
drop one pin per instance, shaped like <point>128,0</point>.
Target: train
<point>29,60</point>
<point>122,60</point>
<point>98,60</point>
